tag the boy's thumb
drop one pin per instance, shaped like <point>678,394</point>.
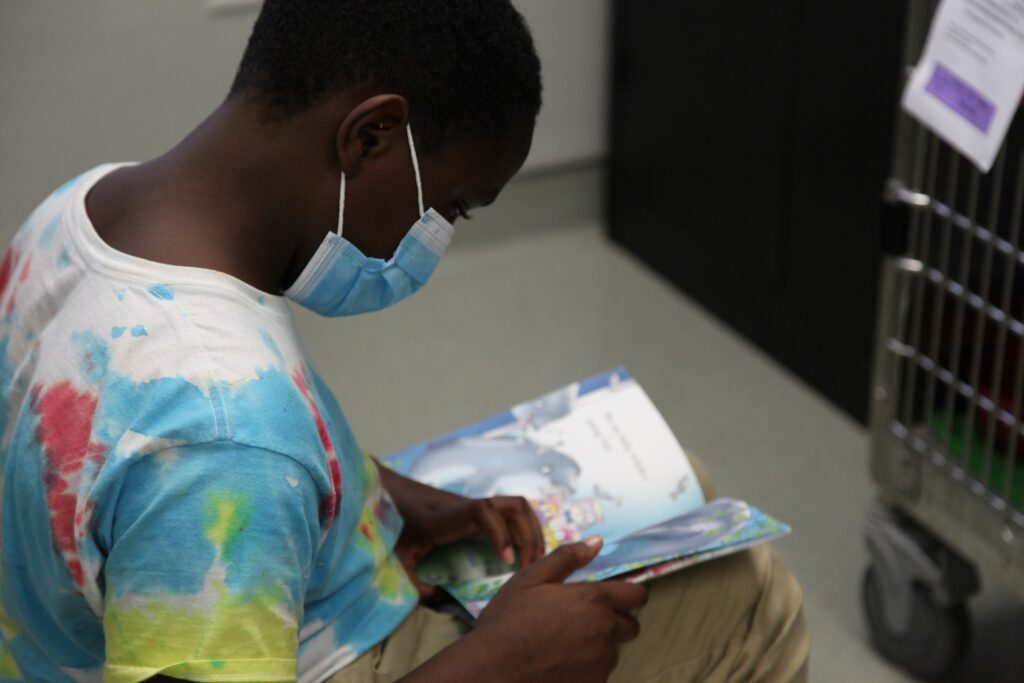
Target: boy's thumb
<point>557,566</point>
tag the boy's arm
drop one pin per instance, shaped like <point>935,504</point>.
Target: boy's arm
<point>204,574</point>
<point>538,629</point>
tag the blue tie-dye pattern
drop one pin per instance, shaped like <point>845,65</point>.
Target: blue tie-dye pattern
<point>269,342</point>
<point>68,630</point>
<point>93,355</point>
<point>284,424</point>
<point>162,292</point>
<point>6,378</point>
<point>67,186</point>
<point>46,236</point>
<point>247,563</point>
<point>261,300</point>
<point>64,258</point>
<point>158,445</point>
<point>139,331</point>
<point>176,410</point>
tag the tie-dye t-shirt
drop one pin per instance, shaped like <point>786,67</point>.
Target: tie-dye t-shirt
<point>181,493</point>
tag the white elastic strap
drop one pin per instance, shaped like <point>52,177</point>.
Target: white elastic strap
<point>341,204</point>
<point>419,184</point>
<point>416,169</point>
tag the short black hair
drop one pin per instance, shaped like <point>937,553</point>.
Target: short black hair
<point>467,67</point>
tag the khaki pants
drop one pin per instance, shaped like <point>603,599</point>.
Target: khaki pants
<point>738,618</point>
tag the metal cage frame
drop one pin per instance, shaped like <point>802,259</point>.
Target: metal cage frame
<point>947,435</point>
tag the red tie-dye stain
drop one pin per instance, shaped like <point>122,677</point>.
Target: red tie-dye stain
<point>5,269</point>
<point>22,276</point>
<point>83,518</point>
<point>321,427</point>
<point>329,508</point>
<point>65,428</point>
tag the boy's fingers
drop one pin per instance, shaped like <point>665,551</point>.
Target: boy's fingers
<point>623,596</point>
<point>493,525</point>
<point>627,628</point>
<point>540,538</point>
<point>557,566</point>
<point>519,515</point>
<point>428,593</point>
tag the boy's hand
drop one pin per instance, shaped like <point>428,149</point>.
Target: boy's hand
<point>434,517</point>
<point>540,630</point>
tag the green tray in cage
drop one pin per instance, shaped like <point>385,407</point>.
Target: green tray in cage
<point>974,459</point>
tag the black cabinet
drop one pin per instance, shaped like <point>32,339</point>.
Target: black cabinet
<point>750,144</point>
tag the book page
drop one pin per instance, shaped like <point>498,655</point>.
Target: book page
<point>719,528</point>
<point>593,458</point>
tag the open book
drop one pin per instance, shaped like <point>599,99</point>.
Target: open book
<point>593,458</point>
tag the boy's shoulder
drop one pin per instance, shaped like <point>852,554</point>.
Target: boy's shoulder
<point>184,355</point>
<point>185,365</point>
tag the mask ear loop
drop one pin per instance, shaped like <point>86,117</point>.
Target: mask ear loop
<point>416,169</point>
<point>341,204</point>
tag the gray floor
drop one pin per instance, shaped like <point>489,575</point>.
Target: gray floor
<point>534,297</point>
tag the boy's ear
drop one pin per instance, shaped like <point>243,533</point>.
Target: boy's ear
<point>370,130</point>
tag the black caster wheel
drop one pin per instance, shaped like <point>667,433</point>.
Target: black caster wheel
<point>936,640</point>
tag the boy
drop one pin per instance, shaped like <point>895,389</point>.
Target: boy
<point>183,498</point>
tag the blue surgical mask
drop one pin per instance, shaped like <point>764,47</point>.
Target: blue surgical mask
<point>341,280</point>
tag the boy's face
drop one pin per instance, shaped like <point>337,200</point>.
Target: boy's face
<point>381,204</point>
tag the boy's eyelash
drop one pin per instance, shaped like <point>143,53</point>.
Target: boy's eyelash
<point>462,212</point>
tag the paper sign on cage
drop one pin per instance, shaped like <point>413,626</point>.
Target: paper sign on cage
<point>967,86</point>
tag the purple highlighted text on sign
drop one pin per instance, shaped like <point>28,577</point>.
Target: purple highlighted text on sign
<point>959,96</point>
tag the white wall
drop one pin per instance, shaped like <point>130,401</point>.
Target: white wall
<point>574,41</point>
<point>87,82</point>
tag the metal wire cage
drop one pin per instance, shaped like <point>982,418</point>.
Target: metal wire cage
<point>947,449</point>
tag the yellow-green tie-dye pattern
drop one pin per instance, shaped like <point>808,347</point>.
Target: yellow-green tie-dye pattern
<point>8,667</point>
<point>226,516</point>
<point>390,580</point>
<point>185,499</point>
<point>248,634</point>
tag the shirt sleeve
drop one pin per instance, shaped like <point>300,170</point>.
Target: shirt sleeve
<point>211,549</point>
